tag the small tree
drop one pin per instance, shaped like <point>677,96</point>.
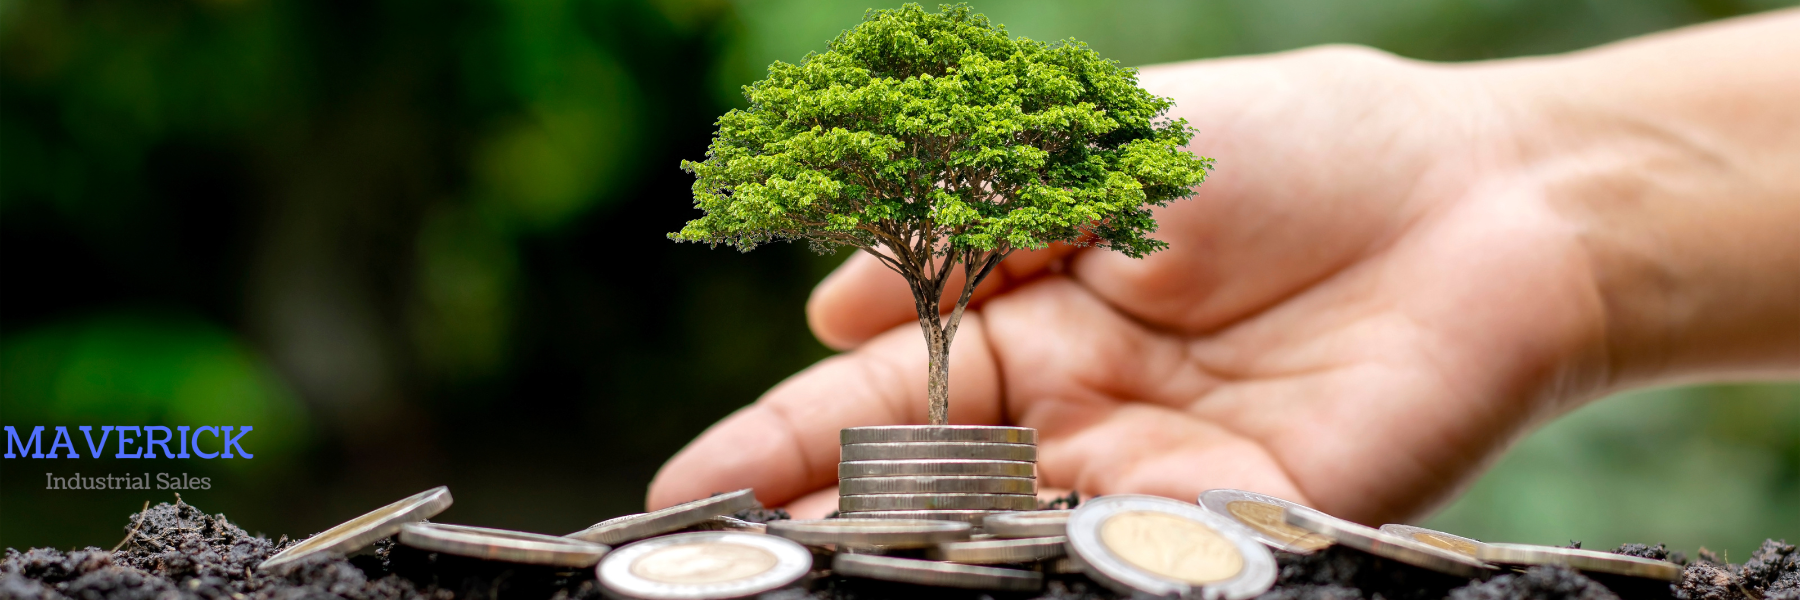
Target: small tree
<point>936,142</point>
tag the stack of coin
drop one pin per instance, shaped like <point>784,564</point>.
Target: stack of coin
<point>941,472</point>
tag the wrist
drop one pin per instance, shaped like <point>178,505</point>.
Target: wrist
<point>1685,227</point>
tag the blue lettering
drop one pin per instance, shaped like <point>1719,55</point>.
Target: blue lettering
<point>197,432</point>
<point>183,430</point>
<point>34,449</point>
<point>63,441</point>
<point>88,432</point>
<point>150,441</point>
<point>233,441</point>
<point>125,439</point>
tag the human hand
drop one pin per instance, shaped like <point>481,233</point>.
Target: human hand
<point>1377,290</point>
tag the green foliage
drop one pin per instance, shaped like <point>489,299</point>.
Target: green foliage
<point>939,132</point>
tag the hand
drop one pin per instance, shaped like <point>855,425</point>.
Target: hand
<point>1375,293</point>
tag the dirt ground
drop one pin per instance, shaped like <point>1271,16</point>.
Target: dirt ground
<point>179,552</point>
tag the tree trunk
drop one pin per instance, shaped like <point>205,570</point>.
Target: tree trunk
<point>937,377</point>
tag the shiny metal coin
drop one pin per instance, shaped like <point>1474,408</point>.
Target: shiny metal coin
<point>972,517</point>
<point>727,523</point>
<point>937,485</point>
<point>1146,544</point>
<point>1064,566</point>
<point>925,572</point>
<point>502,545</point>
<point>1585,560</point>
<point>1454,543</point>
<point>891,533</point>
<point>937,502</point>
<point>1386,545</point>
<point>979,468</point>
<point>709,565</point>
<point>636,527</point>
<point>937,450</point>
<point>1262,515</point>
<point>989,552</point>
<point>366,529</point>
<point>938,433</point>
<point>1028,524</point>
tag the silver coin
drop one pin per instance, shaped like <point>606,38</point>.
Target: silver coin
<point>937,502</point>
<point>988,552</point>
<point>1146,544</point>
<point>1386,545</point>
<point>937,450</point>
<point>1028,523</point>
<point>728,523</point>
<point>1261,514</point>
<point>891,533</point>
<point>1454,543</point>
<point>366,529</point>
<point>681,516</point>
<point>1064,566</point>
<point>502,545</point>
<point>711,565</point>
<point>979,468</point>
<point>972,517</point>
<point>925,572</point>
<point>1574,558</point>
<point>937,433</point>
<point>927,485</point>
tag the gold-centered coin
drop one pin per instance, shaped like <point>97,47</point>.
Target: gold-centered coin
<point>1171,546</point>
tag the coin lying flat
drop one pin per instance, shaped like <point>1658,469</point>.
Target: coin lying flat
<point>892,533</point>
<point>1386,545</point>
<point>1027,524</point>
<point>710,565</point>
<point>1574,558</point>
<point>502,545</point>
<point>972,517</point>
<point>931,485</point>
<point>937,450</point>
<point>981,468</point>
<point>636,527</point>
<point>1454,543</point>
<point>366,529</point>
<point>988,552</point>
<point>1146,544</point>
<point>925,572</point>
<point>937,502</point>
<point>1261,514</point>
<point>938,433</point>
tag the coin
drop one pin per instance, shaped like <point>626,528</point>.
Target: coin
<point>729,523</point>
<point>364,530</point>
<point>925,572</point>
<point>1386,545</point>
<point>937,433</point>
<point>918,485</point>
<point>1262,515</point>
<point>937,502</point>
<point>502,545</point>
<point>1027,524</point>
<point>1146,544</point>
<point>1454,543</point>
<point>892,533</point>
<point>982,468</point>
<point>710,565</point>
<point>937,450</point>
<point>987,552</point>
<point>972,517</point>
<point>1574,558</point>
<point>635,527</point>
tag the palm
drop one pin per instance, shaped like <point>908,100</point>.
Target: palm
<point>1355,312</point>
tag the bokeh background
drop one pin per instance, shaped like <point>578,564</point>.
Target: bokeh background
<point>420,242</point>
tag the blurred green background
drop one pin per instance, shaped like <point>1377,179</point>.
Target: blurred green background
<point>421,242</point>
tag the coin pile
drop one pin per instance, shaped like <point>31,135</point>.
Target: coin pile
<point>957,473</point>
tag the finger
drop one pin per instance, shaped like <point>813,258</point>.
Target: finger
<point>1110,399</point>
<point>815,505</point>
<point>786,444</point>
<point>864,298</point>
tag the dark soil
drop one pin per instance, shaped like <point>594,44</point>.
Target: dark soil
<point>178,552</point>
